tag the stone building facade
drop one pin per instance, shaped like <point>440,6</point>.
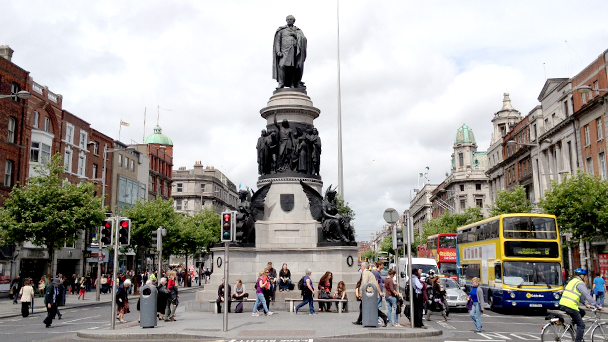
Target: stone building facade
<point>202,187</point>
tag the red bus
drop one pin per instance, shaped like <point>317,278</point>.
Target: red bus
<point>442,248</point>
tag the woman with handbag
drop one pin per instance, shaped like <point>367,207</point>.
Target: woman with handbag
<point>122,300</point>
<point>27,296</point>
<point>324,291</point>
<point>391,296</point>
<point>82,286</point>
<point>476,304</point>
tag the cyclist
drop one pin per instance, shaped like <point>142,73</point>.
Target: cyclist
<point>573,292</point>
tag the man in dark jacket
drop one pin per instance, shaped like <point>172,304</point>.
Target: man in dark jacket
<point>52,296</point>
<point>221,297</point>
<point>16,286</point>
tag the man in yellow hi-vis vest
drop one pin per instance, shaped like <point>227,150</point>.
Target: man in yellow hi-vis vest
<point>574,290</point>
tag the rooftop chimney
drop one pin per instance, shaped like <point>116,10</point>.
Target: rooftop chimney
<point>6,52</point>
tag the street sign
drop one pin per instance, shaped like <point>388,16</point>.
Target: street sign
<point>101,259</point>
<point>391,216</point>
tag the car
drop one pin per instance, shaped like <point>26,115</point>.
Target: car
<point>456,297</point>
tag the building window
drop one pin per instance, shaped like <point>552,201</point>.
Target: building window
<point>202,187</point>
<point>602,162</point>
<point>461,159</point>
<point>36,118</point>
<point>81,165</point>
<point>596,87</point>
<point>15,88</point>
<point>178,204</point>
<point>479,202</point>
<point>478,186</point>
<point>120,160</point>
<point>587,136</point>
<point>96,148</point>
<point>566,108</point>
<point>39,152</point>
<point>8,173</point>
<point>83,140</point>
<point>47,124</point>
<point>589,165</point>
<point>600,129</point>
<point>69,133</point>
<point>185,204</point>
<point>68,160</point>
<point>12,125</point>
<point>132,165</point>
<point>179,187</point>
<point>463,204</point>
<point>461,187</point>
<point>127,163</point>
<point>95,171</point>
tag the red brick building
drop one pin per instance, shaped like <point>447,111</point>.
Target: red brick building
<point>14,136</point>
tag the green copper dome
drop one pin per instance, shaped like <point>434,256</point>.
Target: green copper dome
<point>158,138</point>
<point>464,134</point>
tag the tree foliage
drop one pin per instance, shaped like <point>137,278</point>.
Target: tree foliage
<point>510,201</point>
<point>193,234</point>
<point>580,204</point>
<point>146,217</point>
<point>446,223</point>
<point>369,255</point>
<point>387,245</point>
<point>49,211</point>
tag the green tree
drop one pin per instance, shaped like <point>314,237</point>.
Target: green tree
<point>369,255</point>
<point>510,201</point>
<point>146,217</point>
<point>193,235</point>
<point>345,210</point>
<point>387,245</point>
<point>580,204</point>
<point>446,223</point>
<point>49,211</point>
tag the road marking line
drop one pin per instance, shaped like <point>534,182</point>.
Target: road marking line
<point>80,319</point>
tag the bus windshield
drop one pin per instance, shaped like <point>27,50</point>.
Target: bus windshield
<point>447,242</point>
<point>527,227</point>
<point>448,269</point>
<point>532,273</point>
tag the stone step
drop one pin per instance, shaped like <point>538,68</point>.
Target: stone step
<point>206,306</point>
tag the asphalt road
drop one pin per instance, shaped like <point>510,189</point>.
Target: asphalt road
<point>31,328</point>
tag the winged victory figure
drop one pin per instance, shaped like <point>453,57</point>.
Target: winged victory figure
<point>250,209</point>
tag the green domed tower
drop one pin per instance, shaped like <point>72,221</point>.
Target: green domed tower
<point>158,138</point>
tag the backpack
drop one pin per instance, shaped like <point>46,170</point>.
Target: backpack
<point>301,284</point>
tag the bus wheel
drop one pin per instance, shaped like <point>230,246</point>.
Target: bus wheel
<point>491,301</point>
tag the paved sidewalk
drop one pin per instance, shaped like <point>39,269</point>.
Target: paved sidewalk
<point>281,325</point>
<point>8,309</point>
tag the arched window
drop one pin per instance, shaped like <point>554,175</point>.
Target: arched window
<point>12,126</point>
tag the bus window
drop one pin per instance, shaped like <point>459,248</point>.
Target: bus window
<point>529,228</point>
<point>459,236</point>
<point>472,271</point>
<point>495,228</point>
<point>479,233</point>
<point>471,234</point>
<point>447,242</point>
<point>497,272</point>
<point>487,230</point>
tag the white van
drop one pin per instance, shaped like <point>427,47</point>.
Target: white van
<point>426,264</point>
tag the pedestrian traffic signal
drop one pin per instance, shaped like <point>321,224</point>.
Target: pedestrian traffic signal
<point>155,239</point>
<point>124,231</point>
<point>228,226</point>
<point>107,230</point>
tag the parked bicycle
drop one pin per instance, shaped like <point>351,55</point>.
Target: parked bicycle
<point>560,327</point>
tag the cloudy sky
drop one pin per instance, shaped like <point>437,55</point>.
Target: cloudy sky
<point>412,73</point>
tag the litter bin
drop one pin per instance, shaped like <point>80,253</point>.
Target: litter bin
<point>369,306</point>
<point>147,306</point>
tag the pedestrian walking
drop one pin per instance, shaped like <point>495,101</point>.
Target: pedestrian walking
<point>418,299</point>
<point>15,288</point>
<point>173,303</point>
<point>161,298</point>
<point>437,300</point>
<point>308,293</point>
<point>122,300</point>
<point>391,296</point>
<point>81,286</point>
<point>259,292</point>
<point>27,297</point>
<point>376,272</point>
<point>52,296</point>
<point>599,288</point>
<point>477,303</point>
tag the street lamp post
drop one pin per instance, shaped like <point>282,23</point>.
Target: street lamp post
<point>20,95</point>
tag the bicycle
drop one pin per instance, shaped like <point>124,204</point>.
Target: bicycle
<point>558,330</point>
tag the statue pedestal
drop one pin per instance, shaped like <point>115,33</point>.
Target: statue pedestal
<point>287,233</point>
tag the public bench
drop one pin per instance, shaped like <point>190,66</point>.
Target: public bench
<point>246,300</point>
<point>331,300</point>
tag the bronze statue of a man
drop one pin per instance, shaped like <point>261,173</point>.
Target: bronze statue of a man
<point>289,54</point>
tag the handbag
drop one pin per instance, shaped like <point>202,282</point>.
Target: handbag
<point>323,295</point>
<point>470,304</point>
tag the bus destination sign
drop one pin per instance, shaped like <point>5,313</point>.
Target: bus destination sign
<point>531,249</point>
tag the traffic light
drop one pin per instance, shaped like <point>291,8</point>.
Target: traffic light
<point>228,226</point>
<point>399,234</point>
<point>155,239</point>
<point>124,231</point>
<point>107,232</point>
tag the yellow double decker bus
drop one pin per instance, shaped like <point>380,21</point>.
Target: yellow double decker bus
<point>517,258</point>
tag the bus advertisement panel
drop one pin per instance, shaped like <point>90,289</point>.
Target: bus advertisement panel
<point>517,258</point>
<point>442,248</point>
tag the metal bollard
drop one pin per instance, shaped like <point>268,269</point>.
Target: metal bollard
<point>147,306</point>
<point>369,306</point>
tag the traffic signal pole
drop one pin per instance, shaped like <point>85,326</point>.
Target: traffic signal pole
<point>115,269</point>
<point>159,246</point>
<point>99,259</point>
<point>226,285</point>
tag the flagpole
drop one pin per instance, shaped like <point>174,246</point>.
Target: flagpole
<point>119,129</point>
<point>340,168</point>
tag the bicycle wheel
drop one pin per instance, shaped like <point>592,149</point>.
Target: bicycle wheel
<point>557,333</point>
<point>600,333</point>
